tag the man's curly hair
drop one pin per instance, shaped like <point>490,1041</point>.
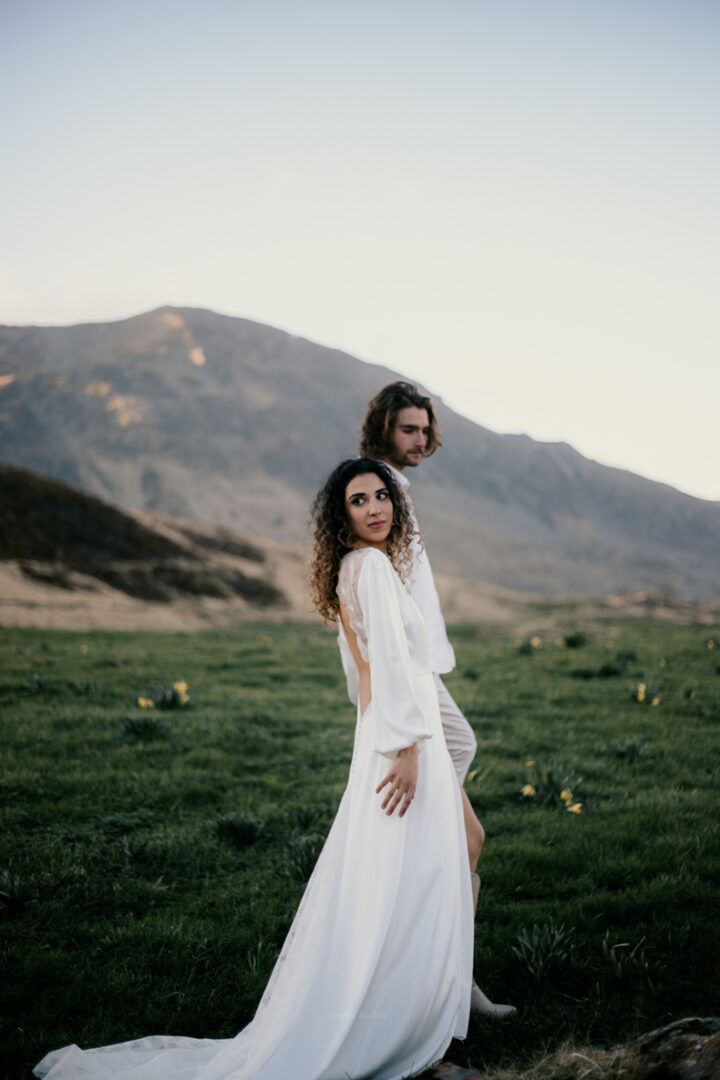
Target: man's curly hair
<point>333,536</point>
<point>381,414</point>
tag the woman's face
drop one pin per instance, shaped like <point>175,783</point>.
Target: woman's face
<point>370,510</point>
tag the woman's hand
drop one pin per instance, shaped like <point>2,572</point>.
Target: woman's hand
<point>402,779</point>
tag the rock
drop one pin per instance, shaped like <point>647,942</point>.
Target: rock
<point>685,1050</point>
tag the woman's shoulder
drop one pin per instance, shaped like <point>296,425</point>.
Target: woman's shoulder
<point>361,553</point>
<point>371,572</point>
<point>361,561</point>
<point>365,556</point>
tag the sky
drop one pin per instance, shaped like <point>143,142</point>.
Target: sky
<point>515,203</point>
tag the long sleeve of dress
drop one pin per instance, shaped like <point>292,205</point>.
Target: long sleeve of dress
<point>396,716</point>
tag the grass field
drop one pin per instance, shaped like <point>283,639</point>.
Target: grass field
<point>152,858</point>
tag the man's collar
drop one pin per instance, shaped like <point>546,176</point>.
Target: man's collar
<point>400,478</point>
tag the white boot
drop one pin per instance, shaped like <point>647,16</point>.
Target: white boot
<point>478,1001</point>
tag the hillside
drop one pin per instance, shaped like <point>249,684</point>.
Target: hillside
<point>69,560</point>
<point>67,552</point>
<point>208,417</point>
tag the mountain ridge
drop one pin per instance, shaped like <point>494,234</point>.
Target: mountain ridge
<point>71,561</point>
<point>204,415</point>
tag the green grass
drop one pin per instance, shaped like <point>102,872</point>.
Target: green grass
<point>151,860</point>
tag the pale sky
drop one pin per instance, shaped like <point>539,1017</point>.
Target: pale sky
<point>515,202</point>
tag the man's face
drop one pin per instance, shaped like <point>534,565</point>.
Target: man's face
<point>409,436</point>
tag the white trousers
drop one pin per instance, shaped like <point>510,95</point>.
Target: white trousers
<point>459,736</point>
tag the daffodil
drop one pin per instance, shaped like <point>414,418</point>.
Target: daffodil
<point>575,808</point>
<point>641,691</point>
<point>180,687</point>
<point>566,795</point>
<point>536,642</point>
<point>146,703</point>
<point>655,700</point>
<point>528,791</point>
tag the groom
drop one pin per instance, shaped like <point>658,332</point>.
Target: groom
<point>401,429</point>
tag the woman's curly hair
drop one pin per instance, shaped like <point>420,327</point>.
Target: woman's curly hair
<point>333,536</point>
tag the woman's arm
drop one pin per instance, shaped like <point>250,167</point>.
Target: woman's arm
<point>398,723</point>
<point>397,717</point>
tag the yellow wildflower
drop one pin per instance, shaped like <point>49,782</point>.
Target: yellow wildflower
<point>528,791</point>
<point>560,642</point>
<point>655,700</point>
<point>529,764</point>
<point>180,687</point>
<point>711,643</point>
<point>575,808</point>
<point>146,703</point>
<point>641,691</point>
<point>472,775</point>
<point>536,642</point>
<point>83,649</point>
<point>566,795</point>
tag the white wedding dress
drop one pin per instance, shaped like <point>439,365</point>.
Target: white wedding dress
<point>374,978</point>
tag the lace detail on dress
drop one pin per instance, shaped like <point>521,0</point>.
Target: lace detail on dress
<point>347,590</point>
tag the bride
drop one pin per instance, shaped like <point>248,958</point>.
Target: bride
<point>374,978</point>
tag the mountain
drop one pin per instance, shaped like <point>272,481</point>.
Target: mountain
<point>205,416</point>
<point>70,560</point>
<point>69,553</point>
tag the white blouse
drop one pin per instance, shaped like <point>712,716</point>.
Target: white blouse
<point>391,636</point>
